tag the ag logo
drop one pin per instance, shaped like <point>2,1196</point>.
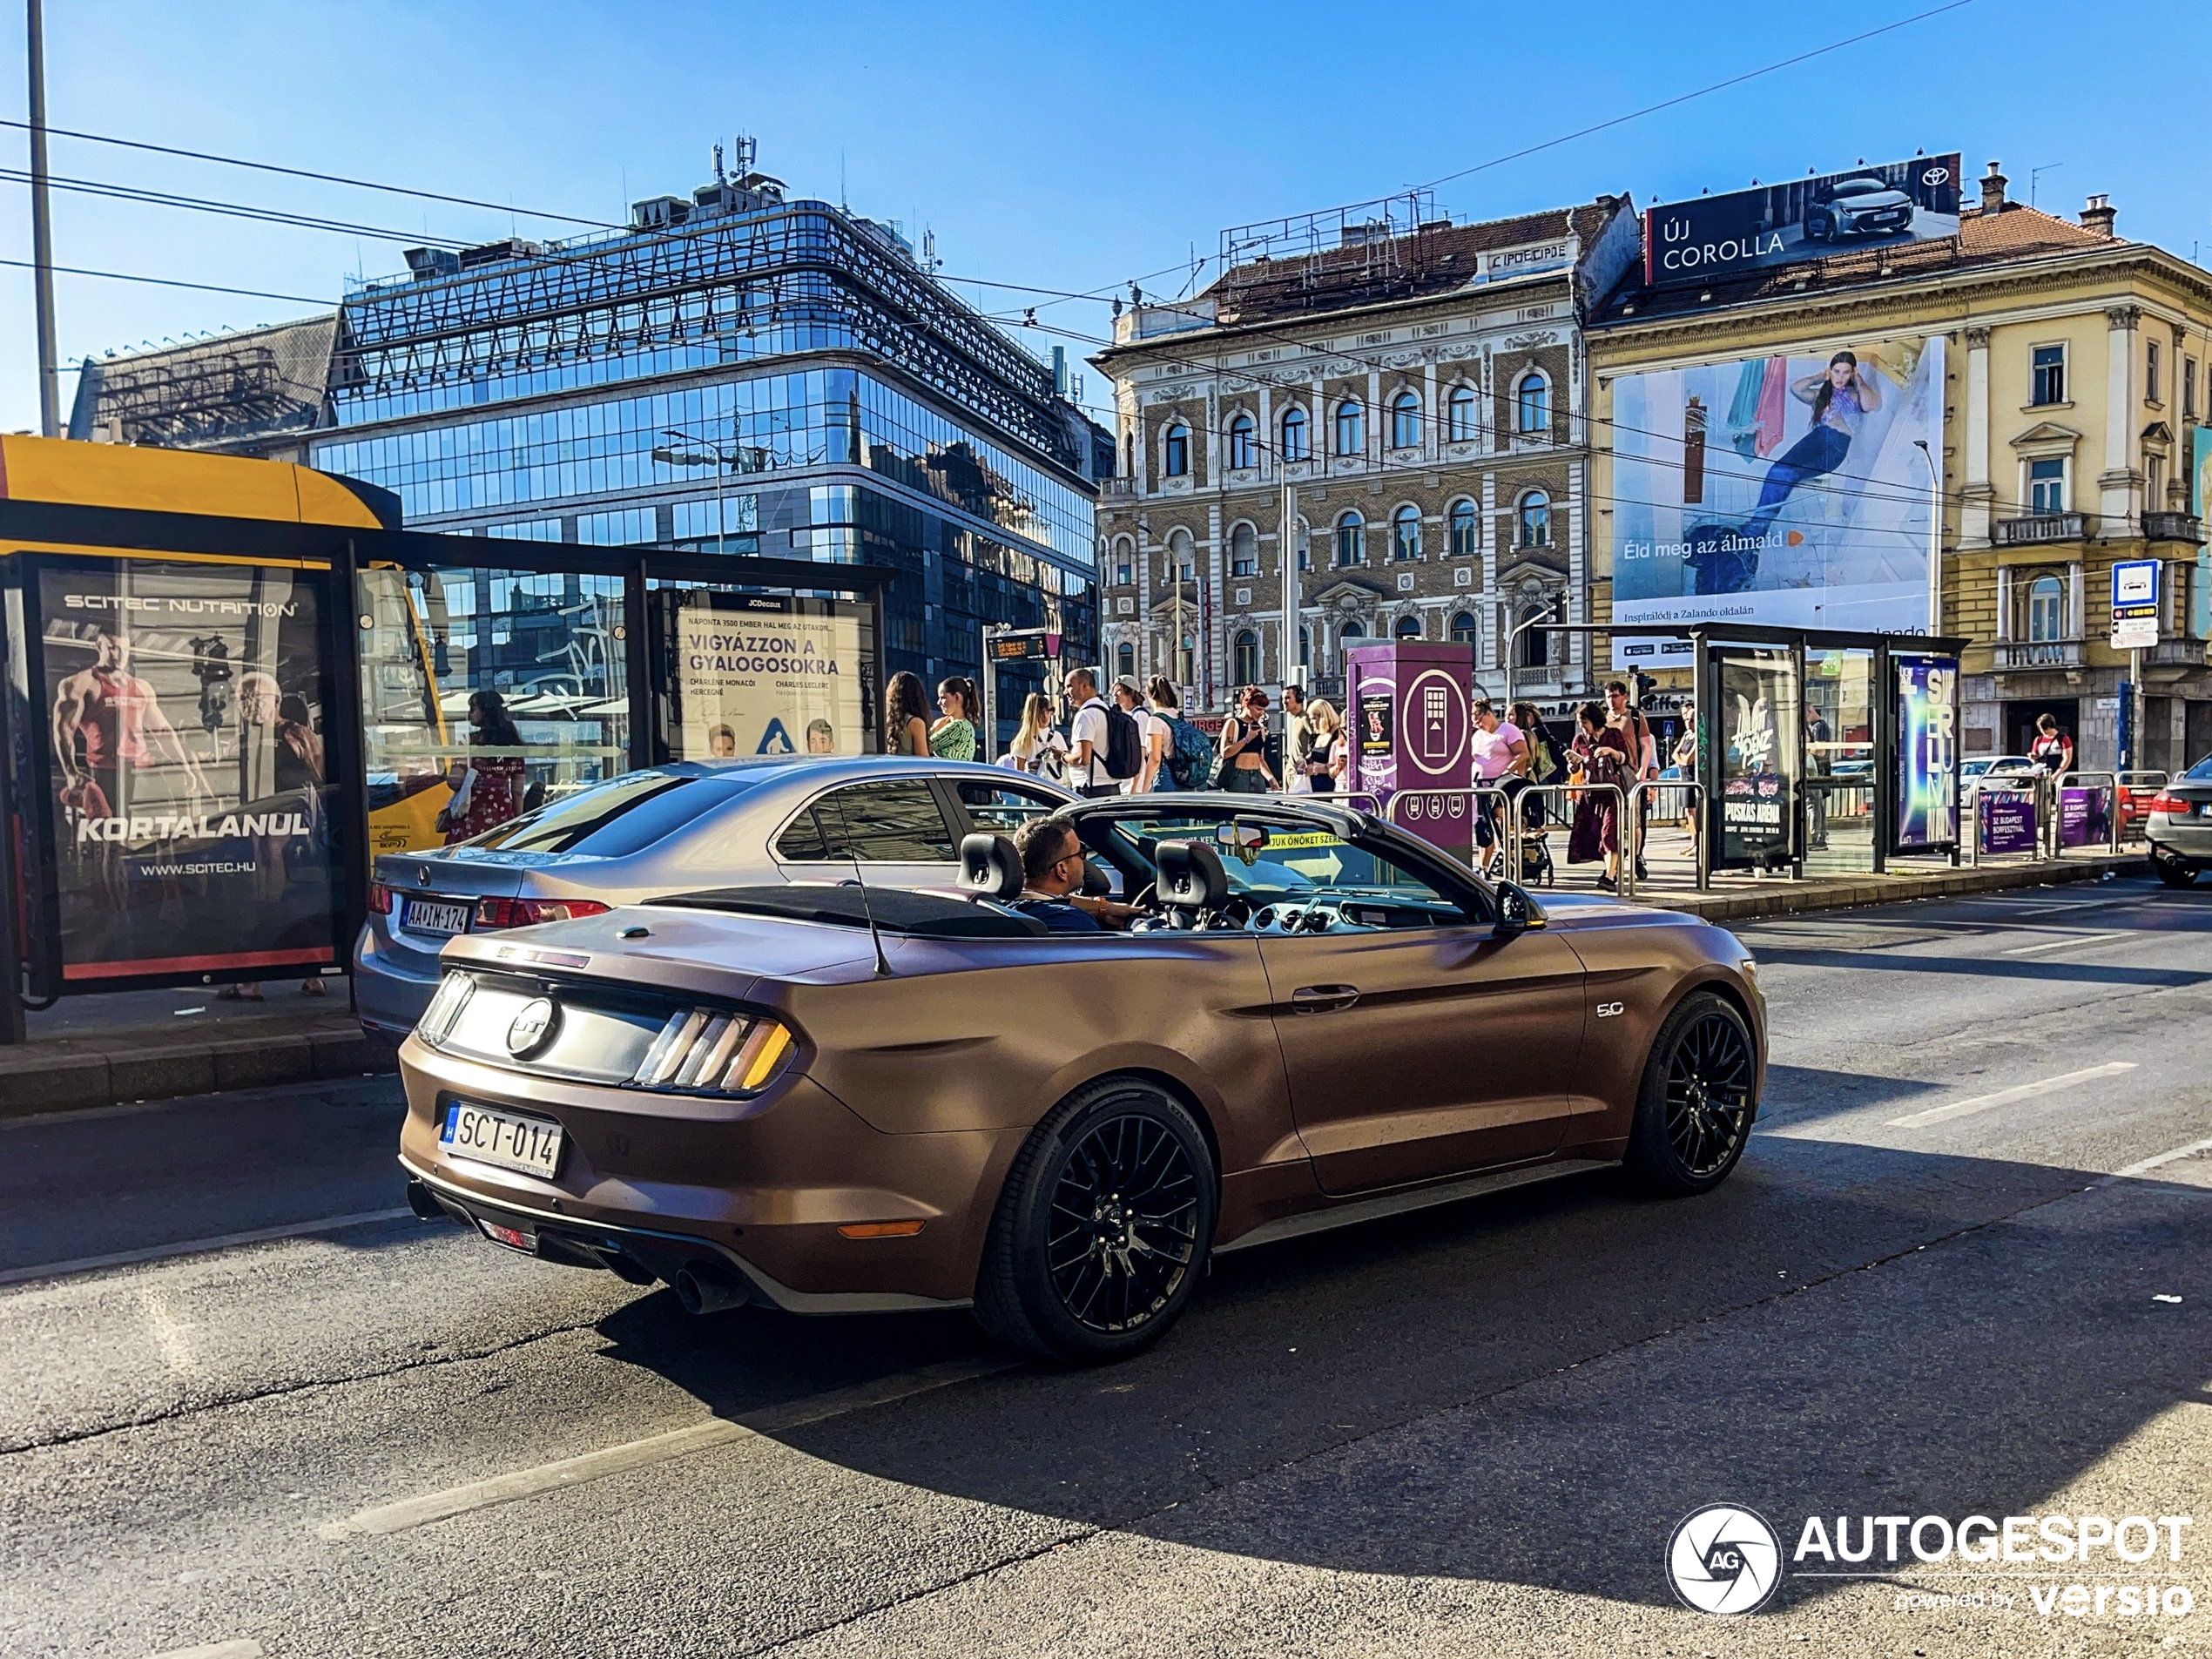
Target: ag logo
<point>531,1027</point>
<point>1724,1560</point>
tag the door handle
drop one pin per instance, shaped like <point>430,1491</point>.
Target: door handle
<point>1323,999</point>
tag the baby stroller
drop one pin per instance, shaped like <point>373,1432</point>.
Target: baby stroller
<point>1535,849</point>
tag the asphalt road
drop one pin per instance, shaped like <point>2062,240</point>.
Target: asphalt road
<point>1940,1286</point>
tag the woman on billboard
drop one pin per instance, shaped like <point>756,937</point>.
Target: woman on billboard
<point>1726,557</point>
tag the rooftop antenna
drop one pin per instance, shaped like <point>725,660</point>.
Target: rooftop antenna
<point>882,962</point>
<point>720,178</point>
<point>2034,172</point>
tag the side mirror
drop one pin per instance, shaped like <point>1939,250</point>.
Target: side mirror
<point>1517,911</point>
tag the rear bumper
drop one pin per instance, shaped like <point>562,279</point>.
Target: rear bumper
<point>391,987</point>
<point>2189,838</point>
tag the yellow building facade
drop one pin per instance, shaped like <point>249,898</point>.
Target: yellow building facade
<point>2075,374</point>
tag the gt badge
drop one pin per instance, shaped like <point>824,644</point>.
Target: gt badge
<point>1605,1011</point>
<point>531,1027</point>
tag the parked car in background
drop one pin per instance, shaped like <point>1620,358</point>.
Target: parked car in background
<point>2180,830</point>
<point>1997,766</point>
<point>674,829</point>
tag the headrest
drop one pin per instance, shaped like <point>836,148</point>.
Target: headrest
<point>990,867</point>
<point>1190,876</point>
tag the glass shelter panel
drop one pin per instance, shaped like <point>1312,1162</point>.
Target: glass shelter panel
<point>1841,730</point>
<point>437,646</point>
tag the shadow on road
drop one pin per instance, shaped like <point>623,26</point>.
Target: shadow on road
<point>1573,1367</point>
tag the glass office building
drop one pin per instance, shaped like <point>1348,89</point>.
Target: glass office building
<point>734,373</point>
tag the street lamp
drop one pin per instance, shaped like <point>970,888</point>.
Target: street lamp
<point>718,458</point>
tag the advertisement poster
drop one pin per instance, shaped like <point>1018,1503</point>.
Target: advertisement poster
<point>2008,823</point>
<point>2200,493</point>
<point>1792,490</point>
<point>1927,753</point>
<point>1716,236</point>
<point>190,806</point>
<point>756,675</point>
<point>2085,816</point>
<point>1413,706</point>
<point>1762,740</point>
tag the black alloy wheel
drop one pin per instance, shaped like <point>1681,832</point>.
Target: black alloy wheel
<point>1102,1229</point>
<point>1694,1112</point>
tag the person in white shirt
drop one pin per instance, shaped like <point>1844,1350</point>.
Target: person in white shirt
<point>1036,747</point>
<point>1087,773</point>
<point>1152,736</point>
<point>1162,708</point>
<point>1500,754</point>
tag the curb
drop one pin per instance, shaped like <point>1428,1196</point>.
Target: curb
<point>1848,893</point>
<point>51,1077</point>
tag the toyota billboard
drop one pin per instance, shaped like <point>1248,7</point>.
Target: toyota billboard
<point>1714,236</point>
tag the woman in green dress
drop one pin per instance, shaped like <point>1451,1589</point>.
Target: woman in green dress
<point>953,737</point>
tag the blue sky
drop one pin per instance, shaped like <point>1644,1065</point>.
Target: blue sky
<point>1065,147</point>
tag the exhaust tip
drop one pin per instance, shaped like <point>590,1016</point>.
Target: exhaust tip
<point>425,1203</point>
<point>704,1288</point>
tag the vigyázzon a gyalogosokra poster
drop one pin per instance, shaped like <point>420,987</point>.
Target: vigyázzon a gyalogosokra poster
<point>1791,490</point>
<point>760,683</point>
<point>190,812</point>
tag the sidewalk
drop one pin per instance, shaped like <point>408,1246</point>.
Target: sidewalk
<point>1739,899</point>
<point>102,1050</point>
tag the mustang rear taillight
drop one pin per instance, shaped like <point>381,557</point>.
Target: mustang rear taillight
<point>527,912</point>
<point>714,1051</point>
<point>451,996</point>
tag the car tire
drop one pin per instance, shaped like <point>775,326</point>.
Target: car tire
<point>1818,227</point>
<point>2173,872</point>
<point>1070,1287</point>
<point>1695,1109</point>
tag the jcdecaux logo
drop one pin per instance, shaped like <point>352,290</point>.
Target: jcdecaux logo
<point>1726,1560</point>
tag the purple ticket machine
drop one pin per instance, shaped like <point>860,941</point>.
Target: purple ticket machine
<point>1408,705</point>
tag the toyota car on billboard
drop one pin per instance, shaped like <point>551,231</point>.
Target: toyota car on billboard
<point>1804,219</point>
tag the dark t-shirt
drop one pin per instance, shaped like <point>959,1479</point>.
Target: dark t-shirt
<point>1058,915</point>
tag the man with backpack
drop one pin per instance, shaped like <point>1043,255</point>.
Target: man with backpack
<point>1105,748</point>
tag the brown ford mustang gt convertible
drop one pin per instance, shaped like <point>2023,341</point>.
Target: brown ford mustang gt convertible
<point>843,1098</point>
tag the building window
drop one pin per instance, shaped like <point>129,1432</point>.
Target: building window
<point>1124,572</point>
<point>1533,406</point>
<point>1535,519</point>
<point>1244,551</point>
<point>1125,661</point>
<point>2150,371</point>
<point>1348,635</point>
<point>1534,647</point>
<point>1352,438</point>
<point>1244,659</point>
<point>1405,422</point>
<point>1352,539</point>
<point>1178,454</point>
<point>2046,610</point>
<point>2047,486</point>
<point>2047,371</point>
<point>2188,389</point>
<point>1306,650</point>
<point>1240,444</point>
<point>1467,532</point>
<point>1180,555</point>
<point>1405,533</point>
<point>1459,419</point>
<point>1463,628</point>
<point>1187,661</point>
<point>1294,434</point>
<point>1305,546</point>
<point>1409,627</point>
<point>2154,484</point>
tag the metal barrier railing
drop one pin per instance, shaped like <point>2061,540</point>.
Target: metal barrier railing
<point>1979,787</point>
<point>2072,780</point>
<point>1408,807</point>
<point>1517,824</point>
<point>2137,783</point>
<point>1652,788</point>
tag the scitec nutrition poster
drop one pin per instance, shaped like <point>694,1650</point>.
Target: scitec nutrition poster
<point>762,680</point>
<point>190,801</point>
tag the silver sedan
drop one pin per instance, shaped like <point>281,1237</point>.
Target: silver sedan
<point>2180,830</point>
<point>679,828</point>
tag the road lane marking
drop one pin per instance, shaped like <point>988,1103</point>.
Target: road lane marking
<point>216,1650</point>
<point>2146,1165</point>
<point>198,1246</point>
<point>2060,944</point>
<point>2007,1096</point>
<point>571,1472</point>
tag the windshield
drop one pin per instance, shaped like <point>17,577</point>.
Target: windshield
<point>1299,860</point>
<point>625,816</point>
<point>2201,772</point>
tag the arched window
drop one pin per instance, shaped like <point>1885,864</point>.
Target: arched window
<point>2046,610</point>
<point>1352,539</point>
<point>1244,658</point>
<point>1348,635</point>
<point>1125,661</point>
<point>1304,534</point>
<point>1240,444</point>
<point>1405,533</point>
<point>1409,627</point>
<point>1532,406</point>
<point>1294,434</point>
<point>1180,566</point>
<point>1405,422</point>
<point>1463,628</point>
<point>1176,456</point>
<point>1459,419</point>
<point>1187,661</point>
<point>1535,519</point>
<point>1244,551</point>
<point>1351,435</point>
<point>1466,529</point>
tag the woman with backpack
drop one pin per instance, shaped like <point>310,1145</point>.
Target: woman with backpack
<point>1189,754</point>
<point>1242,764</point>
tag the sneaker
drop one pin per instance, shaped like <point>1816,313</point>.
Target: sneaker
<point>1643,874</point>
<point>1607,884</point>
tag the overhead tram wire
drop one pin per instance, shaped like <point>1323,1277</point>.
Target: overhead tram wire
<point>172,282</point>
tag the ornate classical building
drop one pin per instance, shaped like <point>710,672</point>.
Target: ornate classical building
<point>2077,369</point>
<point>1414,388</point>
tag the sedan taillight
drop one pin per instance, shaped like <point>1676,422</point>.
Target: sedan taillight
<point>380,899</point>
<point>714,1051</point>
<point>527,912</point>
<point>2162,802</point>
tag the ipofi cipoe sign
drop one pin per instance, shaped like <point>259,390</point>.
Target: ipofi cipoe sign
<point>1727,1559</point>
<point>1711,237</point>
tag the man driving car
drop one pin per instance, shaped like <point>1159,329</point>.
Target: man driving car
<point>1052,878</point>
